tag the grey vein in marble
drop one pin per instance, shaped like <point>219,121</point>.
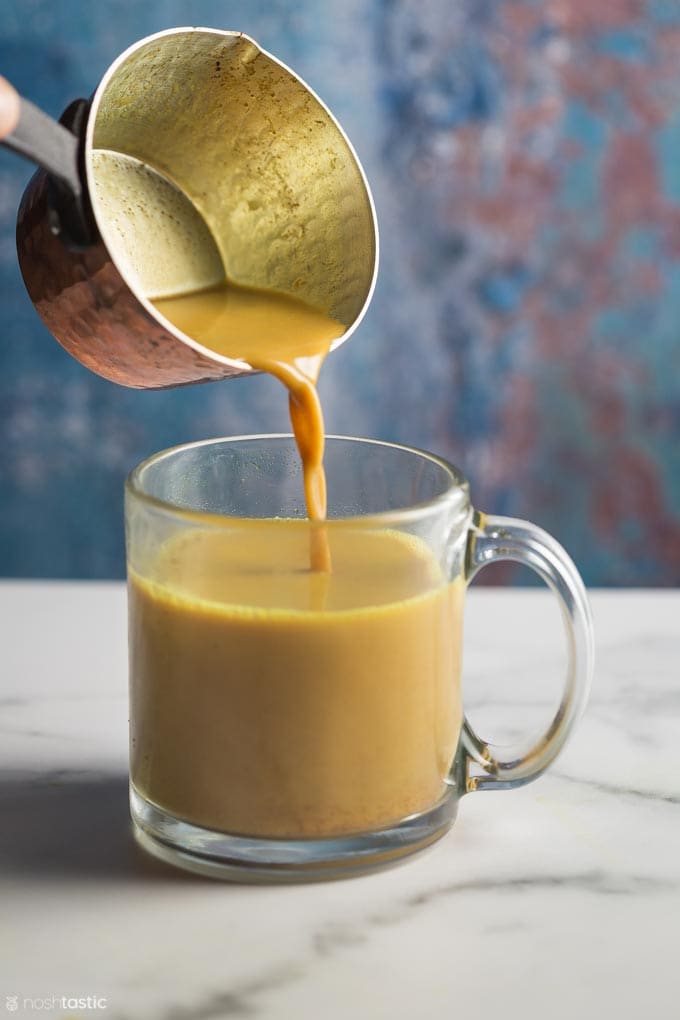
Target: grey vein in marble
<point>616,790</point>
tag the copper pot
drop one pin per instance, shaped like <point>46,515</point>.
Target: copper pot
<point>199,157</point>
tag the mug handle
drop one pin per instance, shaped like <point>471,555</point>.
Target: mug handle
<point>491,539</point>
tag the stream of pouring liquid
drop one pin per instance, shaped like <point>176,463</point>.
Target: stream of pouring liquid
<point>285,337</point>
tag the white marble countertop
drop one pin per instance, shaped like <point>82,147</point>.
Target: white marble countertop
<point>559,900</point>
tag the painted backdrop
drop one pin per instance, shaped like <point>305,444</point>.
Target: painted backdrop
<point>525,161</point>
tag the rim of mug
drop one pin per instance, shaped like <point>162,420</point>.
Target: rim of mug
<point>95,102</point>
<point>456,496</point>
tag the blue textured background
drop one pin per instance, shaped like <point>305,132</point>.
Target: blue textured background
<point>525,161</point>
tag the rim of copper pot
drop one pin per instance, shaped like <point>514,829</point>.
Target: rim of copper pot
<point>240,366</point>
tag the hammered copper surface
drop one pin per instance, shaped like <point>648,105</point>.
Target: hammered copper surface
<point>87,306</point>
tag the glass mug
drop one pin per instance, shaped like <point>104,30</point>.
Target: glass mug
<point>287,724</point>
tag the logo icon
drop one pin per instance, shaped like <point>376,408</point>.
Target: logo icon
<point>12,1003</point>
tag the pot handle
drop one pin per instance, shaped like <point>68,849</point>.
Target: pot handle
<point>48,143</point>
<point>56,146</point>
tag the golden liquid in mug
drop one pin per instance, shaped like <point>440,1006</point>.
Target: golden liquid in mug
<point>268,698</point>
<point>288,721</point>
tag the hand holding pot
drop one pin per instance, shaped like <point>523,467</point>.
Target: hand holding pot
<point>9,108</point>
